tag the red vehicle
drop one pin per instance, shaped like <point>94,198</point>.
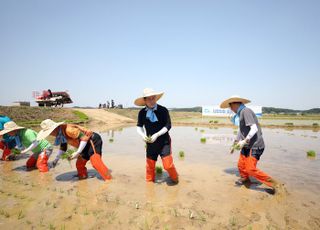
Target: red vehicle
<point>49,98</point>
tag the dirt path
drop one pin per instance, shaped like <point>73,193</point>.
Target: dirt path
<point>101,119</point>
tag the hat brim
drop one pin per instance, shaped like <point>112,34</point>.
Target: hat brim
<point>43,134</point>
<point>5,131</point>
<point>141,102</point>
<point>226,104</point>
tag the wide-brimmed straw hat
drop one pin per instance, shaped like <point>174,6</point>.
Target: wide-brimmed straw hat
<point>47,127</point>
<point>147,93</point>
<point>226,103</point>
<point>9,127</point>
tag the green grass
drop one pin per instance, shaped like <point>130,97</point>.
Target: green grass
<point>203,140</point>
<point>82,117</point>
<point>159,170</point>
<point>181,154</point>
<point>311,153</point>
<point>289,124</point>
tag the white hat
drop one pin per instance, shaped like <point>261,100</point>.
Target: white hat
<point>47,127</point>
<point>226,103</point>
<point>9,127</point>
<point>147,93</point>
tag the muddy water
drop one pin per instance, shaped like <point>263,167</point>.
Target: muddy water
<point>205,198</point>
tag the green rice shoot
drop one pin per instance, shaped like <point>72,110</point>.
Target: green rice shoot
<point>203,140</point>
<point>159,170</point>
<point>181,154</point>
<point>67,155</point>
<point>16,151</point>
<point>311,153</point>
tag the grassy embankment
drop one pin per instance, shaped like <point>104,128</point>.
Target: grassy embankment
<point>32,116</point>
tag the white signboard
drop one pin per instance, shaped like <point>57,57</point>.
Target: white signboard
<point>216,111</point>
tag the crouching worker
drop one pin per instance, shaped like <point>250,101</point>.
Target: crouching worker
<point>249,140</point>
<point>7,143</point>
<point>26,140</point>
<point>88,144</point>
<point>157,123</point>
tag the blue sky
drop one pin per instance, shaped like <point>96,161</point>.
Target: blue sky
<point>198,52</point>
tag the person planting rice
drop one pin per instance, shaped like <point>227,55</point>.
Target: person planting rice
<point>249,141</point>
<point>8,142</point>
<point>88,144</point>
<point>157,123</point>
<point>26,140</point>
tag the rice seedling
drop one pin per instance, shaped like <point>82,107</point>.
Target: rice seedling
<point>203,140</point>
<point>86,212</point>
<point>159,170</point>
<point>111,140</point>
<point>148,140</point>
<point>181,154</point>
<point>196,129</point>
<point>202,131</point>
<point>4,213</point>
<point>21,215</point>
<point>67,155</point>
<point>315,125</point>
<point>289,124</point>
<point>235,132</point>
<point>16,151</point>
<point>235,147</point>
<point>311,153</point>
<point>232,222</point>
<point>216,122</point>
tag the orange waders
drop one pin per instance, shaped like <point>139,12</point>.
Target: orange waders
<point>247,166</point>
<point>97,164</point>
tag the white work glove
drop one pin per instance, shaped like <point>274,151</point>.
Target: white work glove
<point>82,145</point>
<point>155,136</point>
<point>141,132</point>
<point>74,155</point>
<point>242,143</point>
<point>54,163</point>
<point>31,147</point>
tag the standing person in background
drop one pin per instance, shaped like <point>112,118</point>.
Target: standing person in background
<point>249,140</point>
<point>157,123</point>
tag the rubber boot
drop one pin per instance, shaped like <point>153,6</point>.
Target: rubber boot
<point>98,164</point>
<point>31,162</point>
<point>150,170</point>
<point>42,162</point>
<point>170,168</point>
<point>81,168</point>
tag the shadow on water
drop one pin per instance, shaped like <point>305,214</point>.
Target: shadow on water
<point>232,171</point>
<point>252,185</point>
<point>164,178</point>
<point>73,176</point>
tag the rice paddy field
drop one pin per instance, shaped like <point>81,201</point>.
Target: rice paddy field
<point>206,197</point>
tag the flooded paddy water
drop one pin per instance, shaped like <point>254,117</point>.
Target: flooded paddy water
<point>205,198</point>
